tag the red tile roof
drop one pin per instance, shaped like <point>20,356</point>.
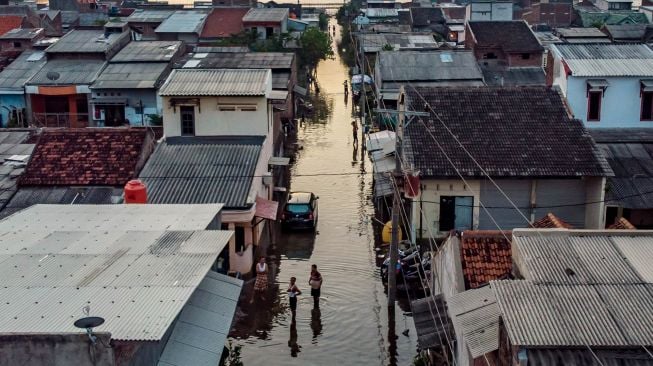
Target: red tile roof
<point>102,156</point>
<point>622,224</point>
<point>485,256</point>
<point>9,22</point>
<point>551,221</point>
<point>223,22</point>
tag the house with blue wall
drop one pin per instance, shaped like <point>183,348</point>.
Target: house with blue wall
<point>13,109</point>
<point>606,85</point>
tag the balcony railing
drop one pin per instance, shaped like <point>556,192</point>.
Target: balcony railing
<point>76,120</point>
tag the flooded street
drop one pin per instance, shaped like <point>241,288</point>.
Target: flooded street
<point>351,326</point>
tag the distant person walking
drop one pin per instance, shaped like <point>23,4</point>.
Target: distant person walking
<point>293,291</point>
<point>354,130</point>
<point>316,285</point>
<point>261,284</point>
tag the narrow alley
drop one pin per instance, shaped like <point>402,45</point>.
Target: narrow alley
<point>351,326</point>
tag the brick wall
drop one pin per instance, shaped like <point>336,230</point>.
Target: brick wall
<point>534,59</point>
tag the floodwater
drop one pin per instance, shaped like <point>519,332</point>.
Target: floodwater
<point>351,326</point>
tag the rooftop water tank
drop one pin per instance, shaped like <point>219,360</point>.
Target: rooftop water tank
<point>135,192</point>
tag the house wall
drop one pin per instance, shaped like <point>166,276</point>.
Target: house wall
<point>564,198</point>
<point>151,104</point>
<point>430,195</point>
<point>489,11</point>
<point>145,30</point>
<point>210,121</point>
<point>278,28</point>
<point>55,349</point>
<point>517,60</point>
<point>620,107</point>
<point>17,45</point>
<point>447,276</point>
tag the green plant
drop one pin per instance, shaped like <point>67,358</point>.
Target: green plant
<point>387,47</point>
<point>233,359</point>
<point>323,21</point>
<point>315,47</point>
<point>155,119</point>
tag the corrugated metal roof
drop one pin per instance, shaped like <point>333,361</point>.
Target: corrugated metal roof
<point>638,251</point>
<point>475,318</point>
<point>199,335</point>
<point>210,82</point>
<point>14,76</point>
<point>585,357</point>
<point>57,259</point>
<point>374,42</point>
<point>149,16</point>
<point>241,60</point>
<point>110,217</point>
<point>575,315</point>
<point>67,72</point>
<point>563,259</point>
<point>132,75</point>
<point>148,51</point>
<point>429,66</point>
<point>380,13</point>
<point>201,171</point>
<point>606,59</point>
<point>87,41</point>
<point>183,21</point>
<point>266,15</point>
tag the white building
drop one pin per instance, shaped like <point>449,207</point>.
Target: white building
<point>606,85</point>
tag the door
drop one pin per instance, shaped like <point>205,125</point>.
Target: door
<point>464,213</point>
<point>456,212</point>
<point>187,115</point>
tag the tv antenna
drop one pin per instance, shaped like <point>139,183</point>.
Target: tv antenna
<point>88,323</point>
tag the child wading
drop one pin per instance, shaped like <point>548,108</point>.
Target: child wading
<point>293,291</point>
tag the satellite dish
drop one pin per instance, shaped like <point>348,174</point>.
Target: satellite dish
<point>89,322</point>
<point>52,75</point>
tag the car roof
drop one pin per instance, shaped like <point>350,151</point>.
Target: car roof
<point>299,197</point>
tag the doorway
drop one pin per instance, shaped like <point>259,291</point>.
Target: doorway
<point>456,213</point>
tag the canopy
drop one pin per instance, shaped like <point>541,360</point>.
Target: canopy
<point>358,79</point>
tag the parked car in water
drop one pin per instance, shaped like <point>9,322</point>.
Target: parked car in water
<point>300,211</point>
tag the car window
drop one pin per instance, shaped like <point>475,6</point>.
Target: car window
<point>298,209</point>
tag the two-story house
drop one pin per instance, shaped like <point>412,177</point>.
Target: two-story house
<point>20,39</point>
<point>539,158</point>
<point>606,85</point>
<point>182,25</point>
<point>267,22</point>
<point>59,95</point>
<point>508,43</point>
<point>217,149</point>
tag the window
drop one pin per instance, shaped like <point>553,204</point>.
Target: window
<point>647,106</point>
<point>227,108</point>
<point>247,108</point>
<point>594,105</point>
<point>490,56</point>
<point>525,56</point>
<point>269,32</point>
<point>187,115</point>
<point>17,45</point>
<point>239,234</point>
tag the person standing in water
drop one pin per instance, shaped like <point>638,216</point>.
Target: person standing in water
<point>293,291</point>
<point>261,284</point>
<point>354,130</point>
<point>316,285</point>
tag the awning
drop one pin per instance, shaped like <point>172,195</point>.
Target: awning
<point>431,332</point>
<point>109,101</point>
<point>299,90</point>
<point>647,85</point>
<point>389,95</point>
<point>278,160</point>
<point>597,84</point>
<point>266,209</point>
<point>279,95</point>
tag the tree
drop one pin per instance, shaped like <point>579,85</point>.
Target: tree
<point>323,21</point>
<point>315,47</point>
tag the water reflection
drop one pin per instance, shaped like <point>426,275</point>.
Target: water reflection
<point>292,342</point>
<point>316,323</point>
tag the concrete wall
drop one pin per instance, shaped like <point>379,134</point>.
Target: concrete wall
<point>448,276</point>
<point>151,104</point>
<point>489,11</point>
<point>620,107</point>
<point>431,192</point>
<point>595,213</point>
<point>55,350</point>
<point>210,121</point>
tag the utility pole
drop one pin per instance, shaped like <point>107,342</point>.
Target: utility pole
<point>401,114</point>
